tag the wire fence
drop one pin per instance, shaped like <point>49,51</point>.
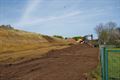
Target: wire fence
<point>110,63</point>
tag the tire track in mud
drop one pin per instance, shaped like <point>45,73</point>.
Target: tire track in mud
<point>66,64</point>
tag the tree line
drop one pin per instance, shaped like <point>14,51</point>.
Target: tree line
<point>6,27</point>
<point>108,33</point>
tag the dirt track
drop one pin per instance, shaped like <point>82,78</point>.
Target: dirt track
<point>66,64</point>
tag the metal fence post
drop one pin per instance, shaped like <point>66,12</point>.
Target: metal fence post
<point>106,61</point>
<point>106,64</point>
<point>102,60</point>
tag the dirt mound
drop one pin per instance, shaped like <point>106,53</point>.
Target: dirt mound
<point>67,64</point>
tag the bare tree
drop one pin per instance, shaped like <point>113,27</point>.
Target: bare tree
<point>102,33</point>
<point>108,33</point>
<point>117,32</point>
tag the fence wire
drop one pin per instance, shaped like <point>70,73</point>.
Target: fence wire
<point>110,63</point>
<point>113,65</point>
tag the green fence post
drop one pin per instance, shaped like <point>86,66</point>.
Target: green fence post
<point>102,60</point>
<point>106,64</point>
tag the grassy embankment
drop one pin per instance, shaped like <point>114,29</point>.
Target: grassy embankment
<point>18,45</point>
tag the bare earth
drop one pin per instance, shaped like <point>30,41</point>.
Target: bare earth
<point>71,63</point>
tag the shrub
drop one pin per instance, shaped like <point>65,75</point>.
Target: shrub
<point>57,36</point>
<point>6,27</point>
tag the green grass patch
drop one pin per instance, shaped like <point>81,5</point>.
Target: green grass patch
<point>114,66</point>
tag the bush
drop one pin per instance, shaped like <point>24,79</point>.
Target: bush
<point>57,36</point>
<point>6,27</point>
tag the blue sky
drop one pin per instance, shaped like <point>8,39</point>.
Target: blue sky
<point>59,17</point>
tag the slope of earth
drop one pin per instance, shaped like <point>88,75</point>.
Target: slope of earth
<point>12,40</point>
<point>70,63</point>
<point>18,44</point>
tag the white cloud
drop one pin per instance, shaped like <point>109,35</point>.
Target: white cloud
<point>31,6</point>
<point>28,19</point>
<point>82,15</point>
<point>33,21</point>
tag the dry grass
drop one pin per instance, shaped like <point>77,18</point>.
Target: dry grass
<point>16,45</point>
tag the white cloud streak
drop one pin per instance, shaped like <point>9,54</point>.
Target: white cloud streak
<point>27,19</point>
<point>31,6</point>
<point>50,18</point>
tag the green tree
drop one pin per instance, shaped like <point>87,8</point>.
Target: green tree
<point>58,36</point>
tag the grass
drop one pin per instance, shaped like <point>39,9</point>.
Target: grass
<point>17,44</point>
<point>114,66</point>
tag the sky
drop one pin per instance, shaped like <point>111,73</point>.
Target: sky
<point>59,17</point>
